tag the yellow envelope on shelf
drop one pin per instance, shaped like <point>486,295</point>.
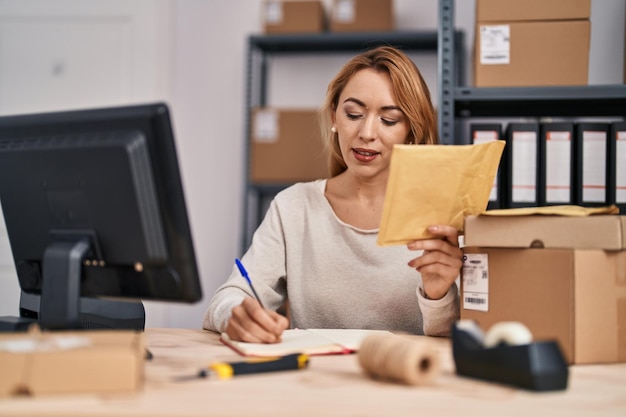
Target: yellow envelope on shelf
<point>564,210</point>
<point>436,184</point>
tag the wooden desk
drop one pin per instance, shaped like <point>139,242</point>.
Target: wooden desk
<point>331,386</point>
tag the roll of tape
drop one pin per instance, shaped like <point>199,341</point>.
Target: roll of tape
<point>472,328</point>
<point>399,359</point>
<point>509,333</point>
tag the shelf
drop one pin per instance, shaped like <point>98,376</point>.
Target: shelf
<point>458,101</point>
<point>589,100</point>
<point>346,42</point>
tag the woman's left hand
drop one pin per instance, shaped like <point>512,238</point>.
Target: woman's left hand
<point>441,262</point>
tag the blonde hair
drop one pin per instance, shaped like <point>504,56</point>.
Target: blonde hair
<point>409,89</point>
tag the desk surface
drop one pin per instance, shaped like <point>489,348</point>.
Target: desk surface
<point>331,386</point>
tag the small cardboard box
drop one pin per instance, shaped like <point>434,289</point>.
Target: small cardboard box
<point>524,10</point>
<point>43,363</point>
<point>286,146</point>
<point>293,16</point>
<point>573,292</point>
<point>606,232</point>
<point>362,16</point>
<point>537,53</point>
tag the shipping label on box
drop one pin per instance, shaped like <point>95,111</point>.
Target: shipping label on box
<point>495,44</point>
<point>265,126</point>
<point>476,281</point>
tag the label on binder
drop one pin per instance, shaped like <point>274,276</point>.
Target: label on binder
<point>524,170</point>
<point>620,168</point>
<point>475,282</point>
<point>558,168</point>
<point>594,166</point>
<point>483,136</point>
<point>495,44</point>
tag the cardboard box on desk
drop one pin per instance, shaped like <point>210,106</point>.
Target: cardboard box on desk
<point>573,289</point>
<point>293,16</point>
<point>533,53</point>
<point>286,146</point>
<point>46,363</point>
<point>362,16</point>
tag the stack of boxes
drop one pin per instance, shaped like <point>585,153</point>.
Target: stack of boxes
<point>309,16</point>
<point>564,277</point>
<point>531,42</point>
<point>286,144</point>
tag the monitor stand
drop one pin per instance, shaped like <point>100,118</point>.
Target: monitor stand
<point>60,306</point>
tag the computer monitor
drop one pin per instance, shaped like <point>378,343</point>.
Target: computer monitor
<point>94,207</point>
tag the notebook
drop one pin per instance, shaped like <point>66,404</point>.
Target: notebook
<point>308,341</point>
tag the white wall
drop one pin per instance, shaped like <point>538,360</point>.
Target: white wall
<point>205,86</point>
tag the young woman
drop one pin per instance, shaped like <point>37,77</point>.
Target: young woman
<point>317,247</point>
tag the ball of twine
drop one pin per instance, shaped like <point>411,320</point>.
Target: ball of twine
<point>399,359</point>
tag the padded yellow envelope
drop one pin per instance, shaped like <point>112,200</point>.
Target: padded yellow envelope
<point>436,184</point>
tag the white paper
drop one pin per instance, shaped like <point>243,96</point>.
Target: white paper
<point>266,126</point>
<point>594,166</point>
<point>558,167</point>
<point>482,136</point>
<point>476,281</point>
<point>345,11</point>
<point>524,170</point>
<point>274,12</point>
<point>53,343</point>
<point>495,44</point>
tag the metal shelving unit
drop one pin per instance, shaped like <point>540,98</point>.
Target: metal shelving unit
<point>458,102</point>
<point>262,48</point>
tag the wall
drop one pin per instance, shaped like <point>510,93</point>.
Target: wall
<point>199,57</point>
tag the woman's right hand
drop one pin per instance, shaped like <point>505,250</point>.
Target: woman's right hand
<point>249,322</point>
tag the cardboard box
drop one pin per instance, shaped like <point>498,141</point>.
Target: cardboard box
<point>286,146</point>
<point>572,295</point>
<point>541,231</point>
<point>525,10</point>
<point>539,53</point>
<point>293,16</point>
<point>45,363</point>
<point>362,16</point>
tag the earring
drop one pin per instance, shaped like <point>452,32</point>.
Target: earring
<point>333,129</point>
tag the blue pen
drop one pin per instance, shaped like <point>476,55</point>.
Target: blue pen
<point>244,274</point>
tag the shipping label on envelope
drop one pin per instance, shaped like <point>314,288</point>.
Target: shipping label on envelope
<point>436,184</point>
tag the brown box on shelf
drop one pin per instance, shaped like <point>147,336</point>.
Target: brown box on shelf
<point>43,363</point>
<point>539,53</point>
<point>524,10</point>
<point>286,146</point>
<point>362,16</point>
<point>573,290</point>
<point>293,16</point>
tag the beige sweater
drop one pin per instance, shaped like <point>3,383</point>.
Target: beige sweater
<point>334,274</point>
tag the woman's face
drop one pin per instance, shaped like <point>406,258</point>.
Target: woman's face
<point>369,122</point>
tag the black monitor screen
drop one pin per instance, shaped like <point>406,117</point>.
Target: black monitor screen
<point>94,207</point>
